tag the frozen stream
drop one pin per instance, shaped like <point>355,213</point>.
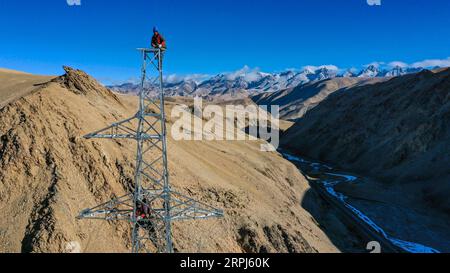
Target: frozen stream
<point>330,184</point>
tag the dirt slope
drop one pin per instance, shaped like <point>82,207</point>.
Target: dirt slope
<point>296,102</point>
<point>49,173</point>
<point>397,131</point>
<point>15,84</point>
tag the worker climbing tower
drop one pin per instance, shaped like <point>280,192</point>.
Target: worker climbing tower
<point>151,188</point>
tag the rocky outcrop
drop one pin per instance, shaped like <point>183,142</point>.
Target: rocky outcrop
<point>79,82</point>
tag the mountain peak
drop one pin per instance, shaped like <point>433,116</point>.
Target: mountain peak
<point>80,83</point>
<point>370,71</point>
<point>348,74</point>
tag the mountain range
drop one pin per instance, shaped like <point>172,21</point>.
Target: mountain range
<point>295,102</point>
<point>395,130</point>
<point>244,83</point>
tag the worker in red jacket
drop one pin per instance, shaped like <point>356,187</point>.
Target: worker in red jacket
<point>158,42</point>
<point>142,210</point>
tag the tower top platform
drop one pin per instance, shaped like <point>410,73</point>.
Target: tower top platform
<point>149,49</point>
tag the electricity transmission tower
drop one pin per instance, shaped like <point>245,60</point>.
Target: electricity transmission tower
<point>151,189</point>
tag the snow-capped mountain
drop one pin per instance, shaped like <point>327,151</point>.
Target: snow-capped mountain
<point>280,81</point>
<point>370,71</point>
<point>257,82</point>
<point>373,71</point>
<point>348,74</point>
<point>395,72</point>
<point>247,82</point>
<point>323,74</point>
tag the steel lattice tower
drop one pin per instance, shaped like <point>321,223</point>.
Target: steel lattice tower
<point>151,179</point>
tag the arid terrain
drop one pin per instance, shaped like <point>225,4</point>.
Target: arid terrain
<point>396,134</point>
<point>15,84</point>
<point>397,131</point>
<point>49,173</point>
<point>297,101</point>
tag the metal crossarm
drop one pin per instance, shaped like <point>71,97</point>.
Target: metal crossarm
<point>151,233</point>
<point>116,209</point>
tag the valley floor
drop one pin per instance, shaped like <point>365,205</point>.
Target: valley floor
<point>383,214</point>
<point>398,215</point>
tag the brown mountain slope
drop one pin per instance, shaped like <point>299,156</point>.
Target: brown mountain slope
<point>49,174</point>
<point>397,131</point>
<point>296,102</point>
<point>15,84</point>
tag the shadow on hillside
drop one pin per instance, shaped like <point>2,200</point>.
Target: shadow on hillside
<point>255,131</point>
<point>341,233</point>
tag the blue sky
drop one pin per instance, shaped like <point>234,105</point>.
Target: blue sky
<point>213,36</point>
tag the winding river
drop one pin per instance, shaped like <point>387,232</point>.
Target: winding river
<point>332,180</point>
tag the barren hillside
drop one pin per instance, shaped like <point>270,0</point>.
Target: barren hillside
<point>15,84</point>
<point>396,131</point>
<point>296,102</point>
<point>49,174</point>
